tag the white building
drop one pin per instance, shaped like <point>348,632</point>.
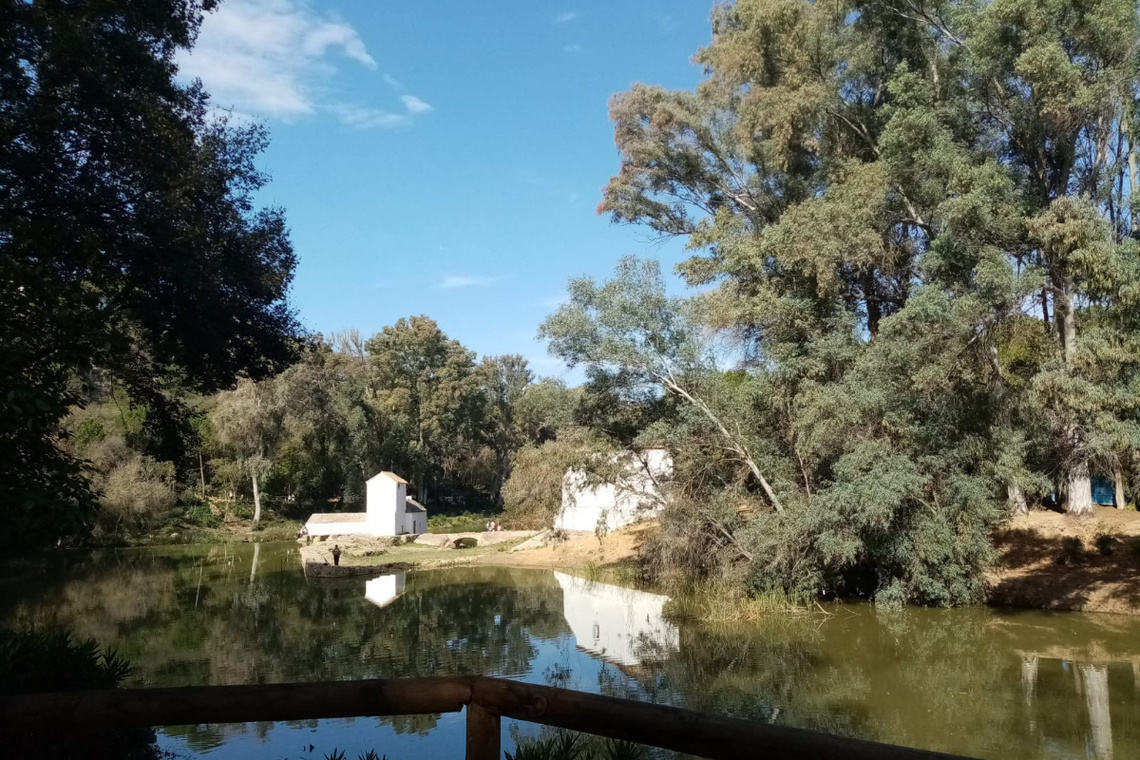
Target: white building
<point>388,512</point>
<point>384,590</point>
<point>623,626</point>
<point>636,495</point>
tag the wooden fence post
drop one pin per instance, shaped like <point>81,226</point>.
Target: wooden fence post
<point>483,733</point>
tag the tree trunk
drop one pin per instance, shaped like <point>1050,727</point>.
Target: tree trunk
<point>256,503</point>
<point>202,474</point>
<point>1080,491</point>
<point>1132,176</point>
<point>1118,479</point>
<point>1017,503</point>
<point>1079,484</point>
<point>1095,679</point>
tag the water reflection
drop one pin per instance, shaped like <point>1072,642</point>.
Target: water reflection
<point>383,591</point>
<point>973,682</point>
<point>620,625</point>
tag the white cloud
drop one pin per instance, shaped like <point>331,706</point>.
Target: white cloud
<point>573,48</point>
<point>271,58</point>
<point>566,18</point>
<point>391,81</point>
<point>414,104</point>
<point>364,117</point>
<point>454,282</point>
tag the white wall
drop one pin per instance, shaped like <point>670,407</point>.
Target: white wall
<point>632,498</point>
<point>384,500</point>
<point>618,624</point>
<point>415,523</point>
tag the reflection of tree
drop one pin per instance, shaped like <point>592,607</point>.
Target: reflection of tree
<point>947,680</point>
<point>936,679</point>
<point>278,627</point>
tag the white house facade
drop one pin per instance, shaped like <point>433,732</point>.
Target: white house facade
<point>388,512</point>
<point>635,496</point>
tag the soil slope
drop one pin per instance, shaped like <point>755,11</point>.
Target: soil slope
<point>1038,569</point>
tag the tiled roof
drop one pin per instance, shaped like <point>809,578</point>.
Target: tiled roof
<point>335,517</point>
<point>414,506</point>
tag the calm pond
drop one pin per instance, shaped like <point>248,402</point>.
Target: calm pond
<point>1010,684</point>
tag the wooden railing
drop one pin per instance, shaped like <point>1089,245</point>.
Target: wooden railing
<point>486,700</point>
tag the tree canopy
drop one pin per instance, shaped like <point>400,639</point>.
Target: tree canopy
<point>130,241</point>
<point>914,221</point>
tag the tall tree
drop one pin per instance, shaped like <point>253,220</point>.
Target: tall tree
<point>426,387</point>
<point>885,195</point>
<point>129,236</point>
<point>842,157</point>
<point>247,423</point>
<point>506,379</point>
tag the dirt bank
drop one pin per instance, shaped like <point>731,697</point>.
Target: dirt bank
<point>367,556</point>
<point>1052,561</point>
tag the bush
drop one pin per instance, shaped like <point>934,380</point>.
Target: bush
<point>34,661</point>
<point>200,515</point>
<point>1071,552</point>
<point>532,494</point>
<point>567,746</point>
<point>1105,544</point>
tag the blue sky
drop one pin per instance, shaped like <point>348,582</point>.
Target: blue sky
<point>445,158</point>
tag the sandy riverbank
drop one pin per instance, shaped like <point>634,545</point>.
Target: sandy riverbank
<point>1052,561</point>
<point>1048,560</point>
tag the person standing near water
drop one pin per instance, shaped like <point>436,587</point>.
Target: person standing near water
<point>336,554</point>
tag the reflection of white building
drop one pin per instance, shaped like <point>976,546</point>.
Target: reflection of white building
<point>635,496</point>
<point>620,625</point>
<point>388,512</point>
<point>384,590</point>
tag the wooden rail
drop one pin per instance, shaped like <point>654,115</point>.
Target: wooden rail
<point>487,700</point>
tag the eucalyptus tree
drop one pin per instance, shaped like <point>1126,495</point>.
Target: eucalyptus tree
<point>916,218</point>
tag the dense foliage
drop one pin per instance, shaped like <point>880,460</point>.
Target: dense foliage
<point>408,399</point>
<point>914,229</point>
<point>129,241</point>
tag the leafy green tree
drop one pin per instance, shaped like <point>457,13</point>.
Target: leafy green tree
<point>129,237</point>
<point>247,422</point>
<point>506,379</point>
<point>914,220</point>
<point>427,391</point>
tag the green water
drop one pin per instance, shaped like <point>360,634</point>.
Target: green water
<point>1010,684</point>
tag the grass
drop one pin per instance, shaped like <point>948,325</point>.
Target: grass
<point>466,522</point>
<point>718,603</point>
<point>418,554</point>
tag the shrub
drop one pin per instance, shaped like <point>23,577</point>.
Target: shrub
<point>1071,551</point>
<point>43,661</point>
<point>567,746</point>
<point>532,494</point>
<point>1105,544</point>
<point>201,515</point>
